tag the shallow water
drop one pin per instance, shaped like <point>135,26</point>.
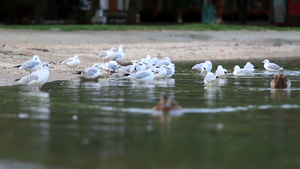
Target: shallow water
<point>243,123</point>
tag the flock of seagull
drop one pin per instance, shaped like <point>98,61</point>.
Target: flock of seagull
<point>279,81</point>
<point>144,70</point>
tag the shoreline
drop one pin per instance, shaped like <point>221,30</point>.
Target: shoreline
<point>17,46</point>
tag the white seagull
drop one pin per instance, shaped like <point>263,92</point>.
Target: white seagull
<point>37,78</point>
<point>108,54</point>
<point>143,76</point>
<point>211,79</point>
<point>72,62</point>
<point>160,72</point>
<point>164,61</point>
<point>238,71</point>
<point>221,72</point>
<point>198,66</point>
<point>170,70</point>
<point>92,72</point>
<point>31,65</point>
<point>120,54</point>
<point>206,67</point>
<point>129,68</point>
<point>271,66</point>
<point>249,65</point>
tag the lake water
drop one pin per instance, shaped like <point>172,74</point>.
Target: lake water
<point>243,123</point>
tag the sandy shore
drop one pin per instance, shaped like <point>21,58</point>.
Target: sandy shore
<point>17,46</point>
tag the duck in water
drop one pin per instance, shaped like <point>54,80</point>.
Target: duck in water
<point>280,81</point>
<point>166,104</point>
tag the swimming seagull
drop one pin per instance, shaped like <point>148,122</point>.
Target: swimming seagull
<point>198,66</point>
<point>108,54</point>
<point>160,72</point>
<point>71,62</point>
<point>164,61</point>
<point>170,70</point>
<point>221,72</point>
<point>211,79</point>
<point>30,65</point>
<point>250,66</point>
<point>37,78</point>
<point>238,71</point>
<point>206,67</point>
<point>271,66</point>
<point>280,81</point>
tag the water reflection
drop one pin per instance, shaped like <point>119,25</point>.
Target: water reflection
<point>39,105</point>
<point>278,94</point>
<point>213,94</point>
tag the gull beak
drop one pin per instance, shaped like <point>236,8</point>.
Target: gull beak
<point>51,67</point>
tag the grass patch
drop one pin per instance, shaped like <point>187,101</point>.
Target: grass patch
<point>194,26</point>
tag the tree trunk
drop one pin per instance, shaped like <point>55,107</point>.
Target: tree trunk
<point>243,12</point>
<point>132,11</point>
<point>95,5</point>
<point>39,11</point>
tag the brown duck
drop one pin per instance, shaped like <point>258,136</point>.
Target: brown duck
<point>280,81</point>
<point>166,103</point>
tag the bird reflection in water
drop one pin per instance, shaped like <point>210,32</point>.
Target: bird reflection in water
<point>280,93</point>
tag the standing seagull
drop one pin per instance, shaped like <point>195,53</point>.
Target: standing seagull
<point>120,55</point>
<point>271,66</point>
<point>92,72</point>
<point>72,62</point>
<point>37,78</point>
<point>143,76</point>
<point>108,54</point>
<point>31,65</point>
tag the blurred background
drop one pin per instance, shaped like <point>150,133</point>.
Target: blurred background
<point>257,12</point>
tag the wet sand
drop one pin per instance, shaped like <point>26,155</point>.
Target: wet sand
<point>17,46</point>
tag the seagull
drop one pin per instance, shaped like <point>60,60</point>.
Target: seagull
<point>91,72</point>
<point>250,66</point>
<point>108,54</point>
<point>30,65</point>
<point>238,71</point>
<point>198,66</point>
<point>170,70</point>
<point>37,78</point>
<point>119,55</point>
<point>152,60</point>
<point>164,61</point>
<point>211,79</point>
<point>206,67</point>
<point>280,81</point>
<point>72,62</point>
<point>166,104</point>
<point>113,66</point>
<point>271,66</point>
<point>160,72</point>
<point>129,68</point>
<point>221,72</point>
<point>143,76</point>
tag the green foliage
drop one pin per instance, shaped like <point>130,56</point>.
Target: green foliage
<point>194,26</point>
